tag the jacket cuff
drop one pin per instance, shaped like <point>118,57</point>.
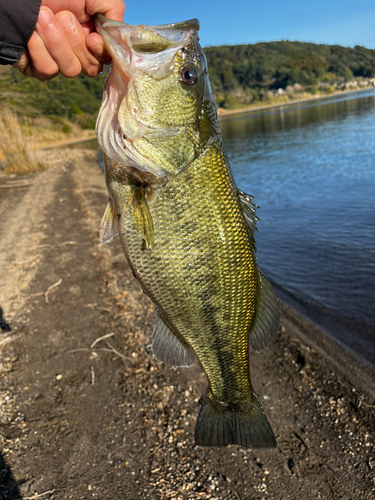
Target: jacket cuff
<point>9,54</point>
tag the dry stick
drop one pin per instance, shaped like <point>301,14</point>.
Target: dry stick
<point>9,338</point>
<point>117,353</point>
<point>101,338</point>
<point>50,288</point>
<point>5,186</point>
<point>19,181</point>
<point>78,349</point>
<point>40,495</point>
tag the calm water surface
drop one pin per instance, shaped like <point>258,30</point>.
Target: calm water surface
<point>311,169</point>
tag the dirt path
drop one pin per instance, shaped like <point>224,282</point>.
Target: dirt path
<point>109,421</point>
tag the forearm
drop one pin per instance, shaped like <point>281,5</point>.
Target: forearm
<point>17,22</point>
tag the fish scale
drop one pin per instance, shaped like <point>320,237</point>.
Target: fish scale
<point>226,287</point>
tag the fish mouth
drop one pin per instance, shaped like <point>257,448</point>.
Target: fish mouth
<point>152,50</point>
<point>142,38</point>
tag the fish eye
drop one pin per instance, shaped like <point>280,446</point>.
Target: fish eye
<point>189,75</point>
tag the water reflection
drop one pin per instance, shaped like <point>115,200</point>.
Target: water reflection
<point>312,171</point>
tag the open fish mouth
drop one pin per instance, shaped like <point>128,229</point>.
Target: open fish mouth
<point>137,51</point>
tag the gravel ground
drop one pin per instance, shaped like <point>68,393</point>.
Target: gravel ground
<point>84,416</point>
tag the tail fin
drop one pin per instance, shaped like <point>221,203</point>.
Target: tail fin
<point>246,425</point>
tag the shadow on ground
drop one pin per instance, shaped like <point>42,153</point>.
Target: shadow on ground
<point>8,485</point>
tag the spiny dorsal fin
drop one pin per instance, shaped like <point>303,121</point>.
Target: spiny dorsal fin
<point>249,209</point>
<point>109,224</point>
<point>166,347</point>
<point>143,217</point>
<point>267,318</point>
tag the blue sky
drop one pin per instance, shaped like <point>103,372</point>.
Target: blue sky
<point>345,22</point>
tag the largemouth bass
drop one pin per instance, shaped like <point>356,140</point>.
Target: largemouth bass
<point>185,228</point>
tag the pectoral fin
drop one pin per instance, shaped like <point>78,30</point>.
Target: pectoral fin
<point>267,318</point>
<point>166,347</point>
<point>109,224</point>
<point>142,216</point>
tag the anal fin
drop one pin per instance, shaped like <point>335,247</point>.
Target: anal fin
<point>267,318</point>
<point>166,347</point>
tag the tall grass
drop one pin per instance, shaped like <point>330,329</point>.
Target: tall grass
<point>16,156</point>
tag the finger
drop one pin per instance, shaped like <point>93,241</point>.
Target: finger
<point>113,9</point>
<point>78,7</point>
<point>77,40</point>
<point>40,65</point>
<point>57,44</point>
<point>95,44</point>
<point>23,62</point>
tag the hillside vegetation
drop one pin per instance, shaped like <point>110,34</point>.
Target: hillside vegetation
<point>241,75</point>
<point>245,74</point>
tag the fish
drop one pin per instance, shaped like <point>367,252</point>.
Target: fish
<point>186,230</point>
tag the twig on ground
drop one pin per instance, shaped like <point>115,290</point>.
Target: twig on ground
<point>51,288</point>
<point>117,353</point>
<point>87,349</point>
<point>24,184</point>
<point>49,492</point>
<point>8,338</point>
<point>120,311</point>
<point>100,338</point>
<point>92,375</point>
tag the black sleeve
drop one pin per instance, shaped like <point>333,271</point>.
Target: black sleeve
<point>17,22</point>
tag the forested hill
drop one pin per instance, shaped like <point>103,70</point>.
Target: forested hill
<point>239,74</point>
<point>250,72</point>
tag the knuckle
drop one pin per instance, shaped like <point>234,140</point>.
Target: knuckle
<point>72,72</point>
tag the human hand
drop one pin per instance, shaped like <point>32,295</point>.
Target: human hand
<point>64,40</point>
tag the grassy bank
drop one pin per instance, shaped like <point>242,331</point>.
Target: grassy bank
<point>16,154</point>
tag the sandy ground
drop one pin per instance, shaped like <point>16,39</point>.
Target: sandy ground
<point>84,417</point>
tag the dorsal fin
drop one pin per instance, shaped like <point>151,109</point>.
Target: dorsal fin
<point>109,224</point>
<point>267,318</point>
<point>249,209</point>
<point>166,347</point>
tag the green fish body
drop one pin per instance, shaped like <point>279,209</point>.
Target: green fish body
<point>186,230</point>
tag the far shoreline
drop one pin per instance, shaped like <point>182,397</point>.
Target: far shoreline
<point>222,113</point>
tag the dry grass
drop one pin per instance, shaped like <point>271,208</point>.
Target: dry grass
<point>16,155</point>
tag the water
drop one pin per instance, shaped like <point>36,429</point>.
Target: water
<point>311,169</point>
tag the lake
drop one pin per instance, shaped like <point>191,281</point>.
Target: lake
<point>311,168</point>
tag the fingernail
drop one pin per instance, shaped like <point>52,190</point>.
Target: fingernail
<point>44,17</point>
